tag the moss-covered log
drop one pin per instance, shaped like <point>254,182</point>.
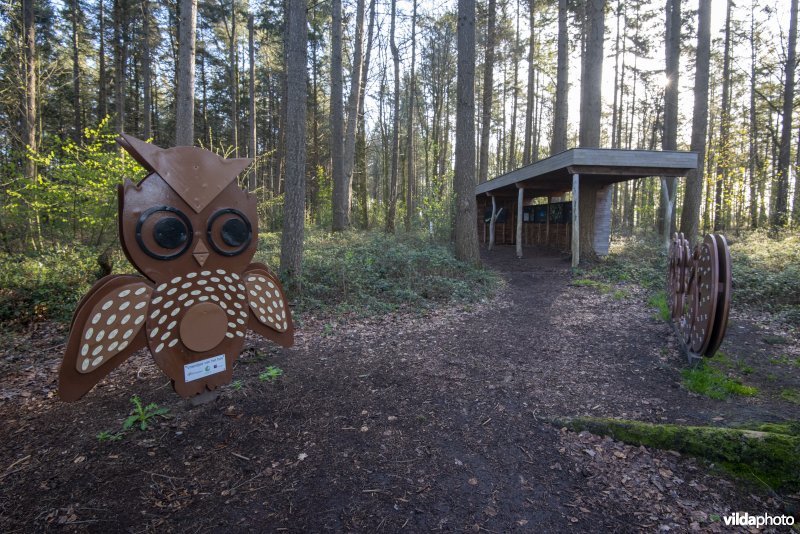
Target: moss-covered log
<point>768,453</point>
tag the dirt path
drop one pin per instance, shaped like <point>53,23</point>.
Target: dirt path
<point>415,422</point>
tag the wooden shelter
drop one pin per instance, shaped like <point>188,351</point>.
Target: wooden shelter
<point>505,197</point>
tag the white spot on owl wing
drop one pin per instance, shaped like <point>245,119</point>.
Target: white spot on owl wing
<point>101,332</point>
<point>191,275</point>
<point>173,343</point>
<point>266,311</point>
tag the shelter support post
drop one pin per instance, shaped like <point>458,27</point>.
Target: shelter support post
<point>520,200</point>
<point>576,240</point>
<point>547,224</point>
<point>491,223</point>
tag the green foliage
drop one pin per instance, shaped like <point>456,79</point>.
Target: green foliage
<point>369,273</point>
<point>658,300</point>
<point>73,198</point>
<point>708,380</point>
<point>323,215</point>
<point>46,286</point>
<point>768,453</point>
<point>437,208</point>
<point>766,273</point>
<point>270,373</point>
<point>237,385</point>
<point>143,415</point>
<point>636,259</point>
<point>105,435</point>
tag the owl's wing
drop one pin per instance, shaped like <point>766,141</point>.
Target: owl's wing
<point>106,329</point>
<point>268,307</point>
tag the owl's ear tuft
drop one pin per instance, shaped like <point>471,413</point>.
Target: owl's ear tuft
<point>236,165</point>
<point>144,153</point>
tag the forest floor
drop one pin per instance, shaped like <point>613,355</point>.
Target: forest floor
<point>436,420</point>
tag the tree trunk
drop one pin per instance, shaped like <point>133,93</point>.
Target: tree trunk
<point>251,112</point>
<point>184,114</point>
<point>512,152</point>
<point>233,62</point>
<point>752,168</point>
<point>76,74</point>
<point>362,142</point>
<point>591,81</point>
<point>527,157</point>
<point>723,151</point>
<point>466,233</point>
<point>411,174</point>
<point>391,214</point>
<point>120,61</point>
<point>488,89</point>
<point>353,106</point>
<point>781,215</point>
<point>617,104</point>
<point>341,210</point>
<point>147,104</point>
<point>29,117</point>
<point>669,141</point>
<point>559,141</point>
<point>690,217</point>
<point>295,37</point>
<point>102,93</point>
<point>592,74</point>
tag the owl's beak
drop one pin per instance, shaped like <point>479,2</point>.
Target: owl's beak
<point>200,253</point>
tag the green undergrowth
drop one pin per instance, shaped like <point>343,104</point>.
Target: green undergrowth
<point>48,285</point>
<point>766,273</point>
<point>765,453</point>
<point>369,273</point>
<point>633,261</point>
<point>715,378</point>
<point>365,273</point>
<point>637,259</point>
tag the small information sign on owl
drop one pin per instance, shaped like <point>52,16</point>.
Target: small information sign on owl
<point>191,231</point>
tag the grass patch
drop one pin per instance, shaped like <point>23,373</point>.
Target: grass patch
<point>658,300</point>
<point>791,395</point>
<point>784,359</point>
<point>767,454</point>
<point>711,382</point>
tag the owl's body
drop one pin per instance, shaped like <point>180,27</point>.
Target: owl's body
<point>192,235</point>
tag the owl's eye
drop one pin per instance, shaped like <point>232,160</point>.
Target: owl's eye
<point>163,232</point>
<point>229,232</point>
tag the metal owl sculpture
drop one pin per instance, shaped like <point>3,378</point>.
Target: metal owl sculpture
<point>191,231</point>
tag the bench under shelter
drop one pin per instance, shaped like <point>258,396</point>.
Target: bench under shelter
<point>506,203</point>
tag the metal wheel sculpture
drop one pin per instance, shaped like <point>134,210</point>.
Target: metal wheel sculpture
<point>699,293</point>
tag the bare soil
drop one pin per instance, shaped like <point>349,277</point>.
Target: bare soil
<point>414,421</point>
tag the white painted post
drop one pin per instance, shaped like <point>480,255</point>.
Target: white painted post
<point>491,223</point>
<point>576,242</point>
<point>520,200</point>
